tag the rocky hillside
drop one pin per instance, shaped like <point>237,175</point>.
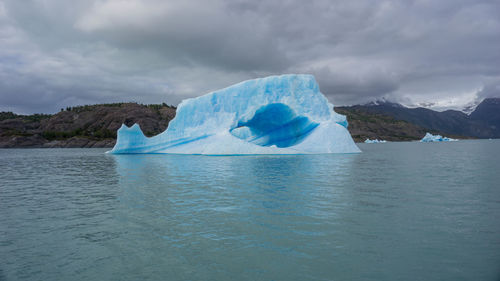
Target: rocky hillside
<point>96,125</point>
<point>365,125</point>
<point>82,126</point>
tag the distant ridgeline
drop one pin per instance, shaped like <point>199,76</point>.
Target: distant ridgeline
<point>96,125</point>
<point>394,122</point>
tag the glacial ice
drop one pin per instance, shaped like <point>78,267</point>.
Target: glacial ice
<point>284,114</point>
<point>375,141</point>
<point>435,138</point>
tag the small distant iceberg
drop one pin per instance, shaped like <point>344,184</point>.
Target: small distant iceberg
<point>435,138</point>
<point>375,141</point>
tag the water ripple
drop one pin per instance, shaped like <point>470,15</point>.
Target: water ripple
<point>396,211</point>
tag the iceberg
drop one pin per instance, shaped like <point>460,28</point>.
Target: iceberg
<point>284,114</point>
<point>375,141</point>
<point>435,138</point>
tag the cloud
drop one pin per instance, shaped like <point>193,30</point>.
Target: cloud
<point>57,53</point>
<point>349,80</point>
<point>490,90</point>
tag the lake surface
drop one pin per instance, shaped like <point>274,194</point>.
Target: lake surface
<point>397,211</point>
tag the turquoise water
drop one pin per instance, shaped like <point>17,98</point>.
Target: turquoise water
<point>397,211</point>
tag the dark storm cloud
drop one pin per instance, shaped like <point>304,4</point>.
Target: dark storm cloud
<point>56,53</point>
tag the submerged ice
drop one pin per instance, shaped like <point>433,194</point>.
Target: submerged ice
<point>284,114</point>
<point>435,138</point>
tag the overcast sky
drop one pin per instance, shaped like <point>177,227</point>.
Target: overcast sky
<point>58,53</point>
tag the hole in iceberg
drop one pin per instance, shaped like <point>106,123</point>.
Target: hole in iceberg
<point>274,124</point>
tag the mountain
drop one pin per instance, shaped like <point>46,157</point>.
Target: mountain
<point>483,122</point>
<point>82,126</point>
<point>368,125</point>
<point>96,125</point>
<point>488,112</point>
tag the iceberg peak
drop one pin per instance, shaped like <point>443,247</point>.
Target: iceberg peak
<point>284,114</point>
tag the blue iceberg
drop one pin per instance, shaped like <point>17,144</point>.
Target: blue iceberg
<point>284,114</point>
<point>375,141</point>
<point>435,138</point>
